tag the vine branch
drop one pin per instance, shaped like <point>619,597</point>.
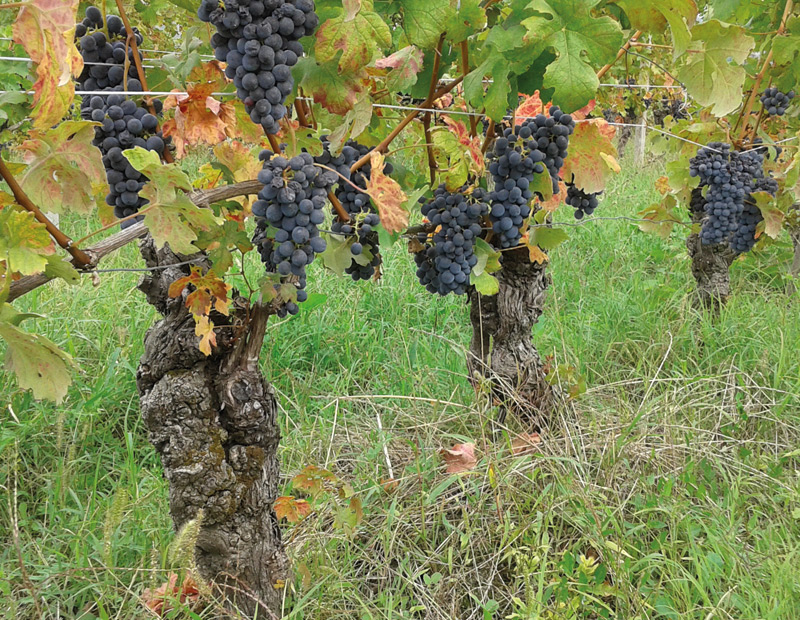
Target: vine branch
<point>622,51</point>
<point>95,253</point>
<point>26,203</point>
<point>748,108</point>
<point>140,69</point>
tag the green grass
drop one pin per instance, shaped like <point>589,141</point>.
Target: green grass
<point>668,490</point>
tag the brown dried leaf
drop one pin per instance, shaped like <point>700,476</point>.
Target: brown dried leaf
<point>459,458</point>
<point>525,443</point>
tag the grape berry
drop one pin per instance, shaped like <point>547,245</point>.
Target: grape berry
<point>775,102</point>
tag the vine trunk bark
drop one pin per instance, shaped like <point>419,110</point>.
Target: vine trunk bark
<point>794,233</point>
<point>213,422</point>
<point>502,348</point>
<point>710,263</point>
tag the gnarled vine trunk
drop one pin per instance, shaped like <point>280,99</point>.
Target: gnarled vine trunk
<point>794,233</point>
<point>213,422</point>
<point>710,263</point>
<point>502,348</point>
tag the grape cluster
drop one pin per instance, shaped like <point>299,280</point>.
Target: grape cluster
<point>549,140</point>
<point>123,123</point>
<point>583,202</point>
<point>364,218</point>
<point>259,41</point>
<point>444,266</point>
<point>731,178</point>
<point>744,237</point>
<point>775,102</point>
<point>512,171</point>
<point>720,170</point>
<point>536,145</point>
<point>289,210</point>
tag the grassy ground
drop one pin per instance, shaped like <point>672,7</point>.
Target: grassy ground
<point>668,490</point>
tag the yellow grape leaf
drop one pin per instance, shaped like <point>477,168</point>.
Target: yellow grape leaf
<point>387,196</point>
<point>292,509</point>
<point>537,255</point>
<point>46,29</point>
<point>208,289</point>
<point>204,327</point>
<point>63,167</point>
<point>39,365</point>
<point>24,242</point>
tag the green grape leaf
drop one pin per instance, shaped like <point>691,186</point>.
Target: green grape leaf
<point>335,92</point>
<point>24,242</point>
<point>582,42</point>
<point>485,284</point>
<point>469,18</point>
<point>425,20</point>
<point>652,16</point>
<point>337,255</point>
<point>39,365</point>
<point>495,99</point>
<point>170,217</point>
<point>714,76</point>
<point>360,39</point>
<point>772,214</point>
<point>220,243</point>
<point>62,166</point>
<point>661,217</point>
<point>57,267</point>
<point>354,122</point>
<point>488,258</point>
<point>548,238</point>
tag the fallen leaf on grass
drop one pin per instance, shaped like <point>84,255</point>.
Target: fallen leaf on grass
<point>459,458</point>
<point>160,600</point>
<point>525,443</point>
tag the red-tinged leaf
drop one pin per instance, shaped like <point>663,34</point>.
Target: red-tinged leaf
<point>313,480</point>
<point>592,157</point>
<point>473,145</point>
<point>209,290</point>
<point>405,65</point>
<point>292,509</point>
<point>63,167</point>
<point>459,458</point>
<point>46,29</point>
<point>555,200</point>
<point>530,107</point>
<point>335,92</point>
<point>160,600</point>
<point>581,114</point>
<point>387,196</point>
<point>204,328</point>
<point>389,485</point>
<point>24,242</point>
<point>525,443</point>
<point>359,39</point>
<point>239,159</point>
<point>39,365</point>
<point>199,118</point>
